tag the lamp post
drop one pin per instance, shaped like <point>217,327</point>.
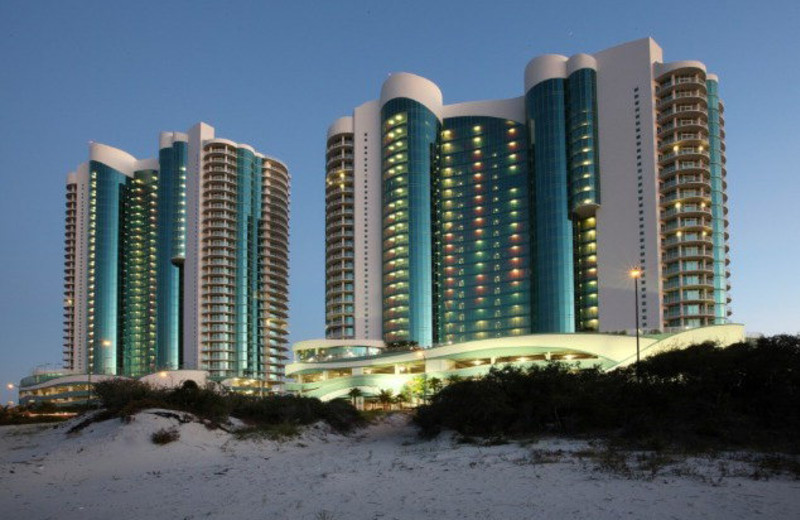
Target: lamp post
<point>10,387</point>
<point>165,374</point>
<point>636,273</point>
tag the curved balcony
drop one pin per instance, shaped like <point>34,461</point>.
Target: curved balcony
<point>694,111</point>
<point>688,125</point>
<point>672,81</point>
<point>679,95</point>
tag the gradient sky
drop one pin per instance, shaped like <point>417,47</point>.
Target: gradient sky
<point>275,76</point>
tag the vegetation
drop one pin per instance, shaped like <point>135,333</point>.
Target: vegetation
<point>705,396</point>
<point>165,436</point>
<point>386,398</point>
<point>123,398</point>
<point>354,394</point>
<point>40,413</point>
<point>401,346</point>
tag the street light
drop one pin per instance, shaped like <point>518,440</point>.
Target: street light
<point>10,387</point>
<point>164,374</point>
<point>636,273</point>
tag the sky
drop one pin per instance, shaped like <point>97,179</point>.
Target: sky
<point>275,74</point>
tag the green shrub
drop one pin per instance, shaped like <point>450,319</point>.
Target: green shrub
<point>341,415</point>
<point>746,395</point>
<point>122,398</point>
<point>165,436</point>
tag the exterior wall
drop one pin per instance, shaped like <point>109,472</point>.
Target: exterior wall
<point>79,351</point>
<point>138,276</point>
<point>192,317</point>
<point>274,261</point>
<point>70,252</point>
<point>719,207</point>
<point>368,214</point>
<point>628,219</point>
<point>481,230</point>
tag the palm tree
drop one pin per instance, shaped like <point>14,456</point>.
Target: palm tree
<point>354,394</point>
<point>385,397</point>
<point>436,384</point>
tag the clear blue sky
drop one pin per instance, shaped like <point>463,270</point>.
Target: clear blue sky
<point>275,76</point>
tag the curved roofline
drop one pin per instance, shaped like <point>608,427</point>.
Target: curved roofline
<point>618,350</point>
<point>112,157</point>
<point>328,343</point>
<point>343,125</point>
<point>544,67</point>
<point>659,69</point>
<point>407,85</point>
<point>510,109</point>
<point>167,139</point>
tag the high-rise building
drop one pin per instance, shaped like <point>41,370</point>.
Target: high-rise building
<point>178,262</point>
<point>478,220</point>
<point>237,259</point>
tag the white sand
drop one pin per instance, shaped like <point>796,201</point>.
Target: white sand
<point>112,470</point>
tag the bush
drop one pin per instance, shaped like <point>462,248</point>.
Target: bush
<point>165,436</point>
<point>272,410</point>
<point>122,398</point>
<point>745,395</point>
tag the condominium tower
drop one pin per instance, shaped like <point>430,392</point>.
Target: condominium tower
<point>477,220</point>
<point>177,262</point>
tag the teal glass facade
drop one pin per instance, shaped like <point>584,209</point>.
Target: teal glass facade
<point>247,311</point>
<point>106,186</point>
<point>138,279</point>
<point>171,246</point>
<point>552,281</point>
<point>718,238</point>
<point>481,230</point>
<point>409,133</point>
<point>584,158</point>
<point>584,191</point>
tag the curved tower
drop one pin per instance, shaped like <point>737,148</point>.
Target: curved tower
<point>409,155</point>
<point>242,239</point>
<point>692,181</point>
<point>274,267</point>
<point>583,162</point>
<point>339,231</point>
<point>553,303</point>
<point>171,215</point>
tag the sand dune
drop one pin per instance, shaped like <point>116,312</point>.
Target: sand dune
<point>113,470</point>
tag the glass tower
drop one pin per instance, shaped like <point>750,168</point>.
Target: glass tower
<point>171,217</point>
<point>409,157</point>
